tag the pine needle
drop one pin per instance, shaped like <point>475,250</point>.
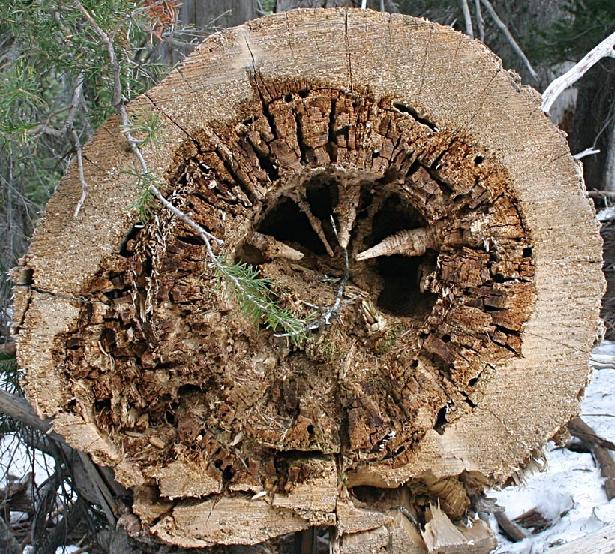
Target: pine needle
<point>255,298</point>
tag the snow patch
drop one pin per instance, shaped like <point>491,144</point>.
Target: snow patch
<point>570,490</point>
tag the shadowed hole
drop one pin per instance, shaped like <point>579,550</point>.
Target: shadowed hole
<point>441,420</point>
<point>401,275</point>
<point>322,196</point>
<point>287,223</point>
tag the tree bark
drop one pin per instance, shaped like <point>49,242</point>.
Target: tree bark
<point>305,141</point>
<point>200,18</point>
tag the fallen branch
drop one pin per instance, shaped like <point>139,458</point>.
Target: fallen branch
<point>605,462</point>
<point>502,26</point>
<point>509,528</point>
<point>601,194</point>
<point>604,50</point>
<point>585,433</point>
<point>599,448</point>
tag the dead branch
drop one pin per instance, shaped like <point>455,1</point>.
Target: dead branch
<point>508,527</point>
<point>480,23</point>
<point>502,26</point>
<point>467,17</point>
<point>70,519</point>
<point>599,448</point>
<point>585,433</point>
<point>105,496</point>
<point>605,462</point>
<point>604,50</point>
<point>68,127</point>
<point>44,129</point>
<point>587,152</point>
<point>19,409</point>
<point>601,194</point>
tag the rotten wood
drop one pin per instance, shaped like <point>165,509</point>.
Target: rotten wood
<point>442,537</point>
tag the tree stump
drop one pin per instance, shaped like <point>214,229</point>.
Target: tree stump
<point>463,333</point>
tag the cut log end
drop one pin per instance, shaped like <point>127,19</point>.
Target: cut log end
<point>228,433</point>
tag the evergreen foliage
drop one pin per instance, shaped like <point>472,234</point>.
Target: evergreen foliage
<point>255,298</point>
<point>585,24</point>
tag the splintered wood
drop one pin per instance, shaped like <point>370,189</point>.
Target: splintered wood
<point>230,434</point>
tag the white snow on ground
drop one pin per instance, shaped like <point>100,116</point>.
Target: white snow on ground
<point>16,459</point>
<point>571,483</point>
<point>606,213</point>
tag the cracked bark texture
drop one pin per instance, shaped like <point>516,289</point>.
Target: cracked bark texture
<point>462,341</point>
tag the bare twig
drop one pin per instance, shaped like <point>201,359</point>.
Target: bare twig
<point>601,194</point>
<point>587,152</point>
<point>68,127</point>
<point>480,23</point>
<point>604,50</point>
<point>326,317</point>
<point>44,129</point>
<point>502,26</point>
<point>467,17</point>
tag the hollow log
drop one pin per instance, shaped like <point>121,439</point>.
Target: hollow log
<point>457,350</point>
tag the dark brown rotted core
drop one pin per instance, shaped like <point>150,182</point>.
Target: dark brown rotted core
<point>177,371</point>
